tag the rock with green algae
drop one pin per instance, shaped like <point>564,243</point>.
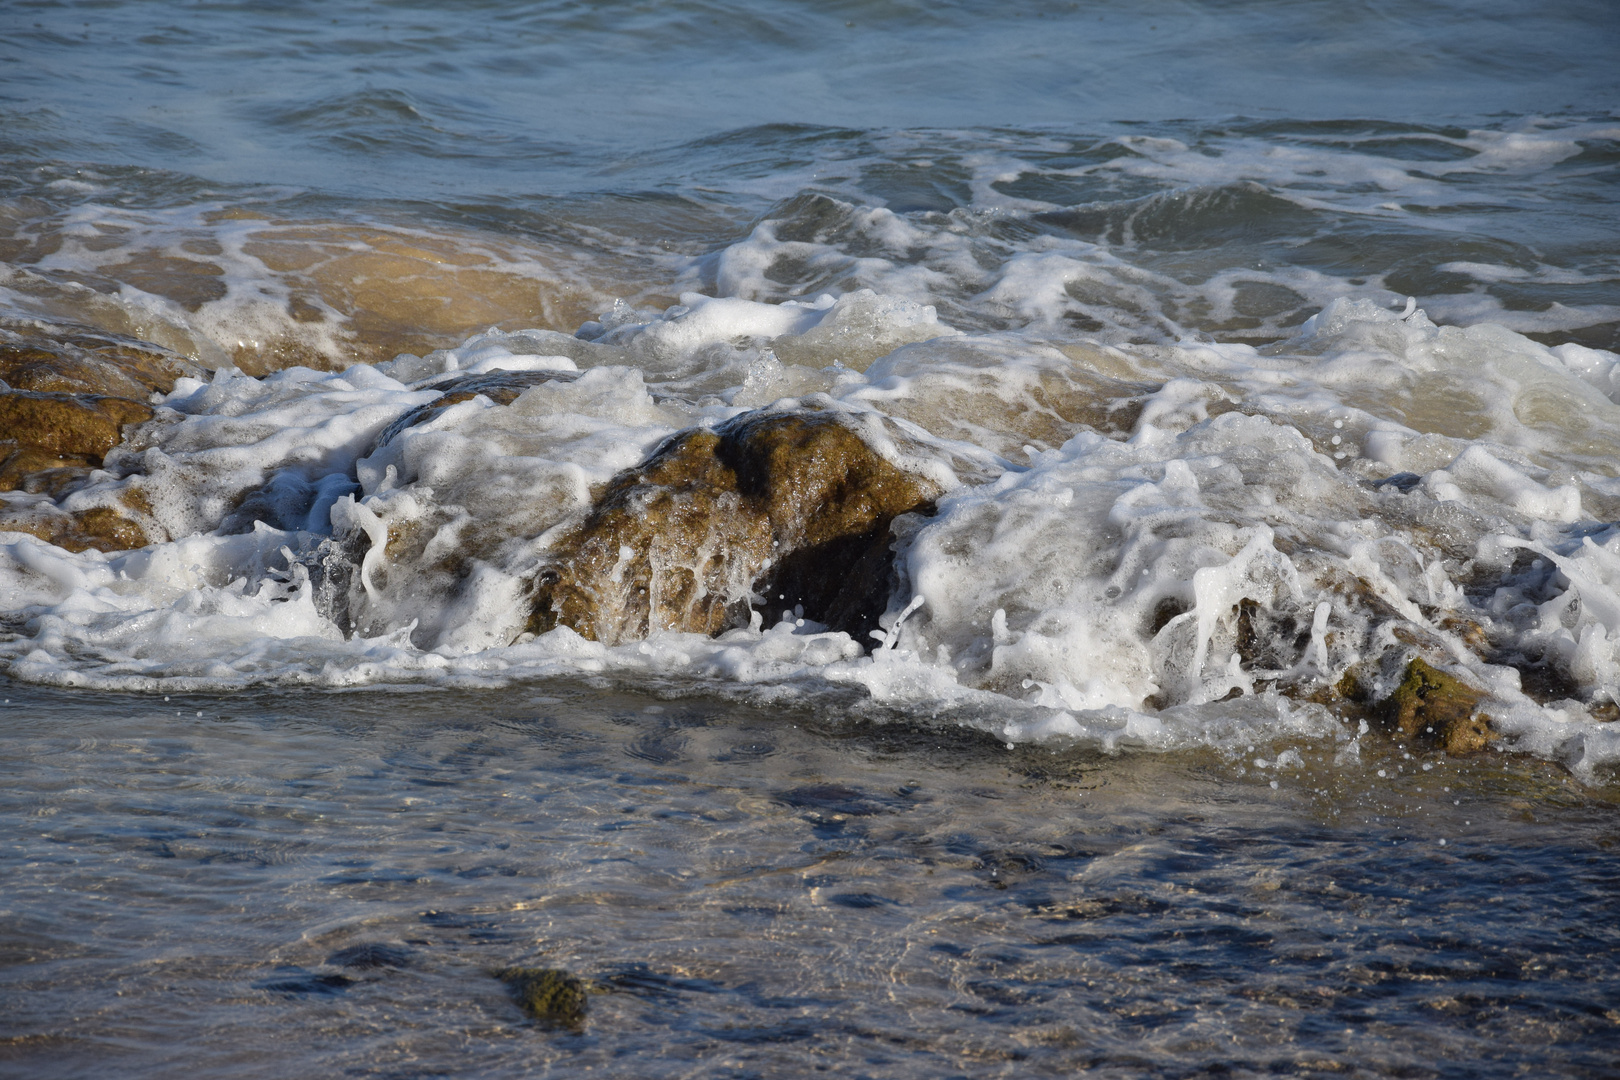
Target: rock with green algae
<point>792,508</point>
<point>550,995</point>
<point>1432,707</point>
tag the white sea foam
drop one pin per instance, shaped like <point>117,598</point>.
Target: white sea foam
<point>1188,483</point>
<point>1131,237</point>
<point>1169,578</point>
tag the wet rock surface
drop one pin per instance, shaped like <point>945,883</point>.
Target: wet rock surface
<point>67,396</point>
<point>1434,708</point>
<point>501,387</point>
<point>70,426</point>
<point>792,508</point>
<point>79,360</point>
<point>550,995</point>
<point>41,472</point>
<point>103,528</point>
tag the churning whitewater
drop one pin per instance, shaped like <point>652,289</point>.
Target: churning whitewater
<point>1131,544</point>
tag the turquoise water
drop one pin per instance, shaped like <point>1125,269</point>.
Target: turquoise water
<point>243,838</point>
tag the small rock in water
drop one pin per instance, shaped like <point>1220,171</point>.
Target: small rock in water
<point>303,983</point>
<point>371,955</point>
<point>795,507</point>
<point>1432,706</point>
<point>550,995</point>
<point>501,387</point>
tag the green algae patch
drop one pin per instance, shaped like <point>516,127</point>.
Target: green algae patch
<point>550,995</point>
<point>1432,707</point>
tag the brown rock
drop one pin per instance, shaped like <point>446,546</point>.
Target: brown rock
<point>1433,707</point>
<point>67,393</point>
<point>1469,735</point>
<point>793,506</point>
<point>81,425</point>
<point>104,529</point>
<point>38,472</point>
<point>101,527</point>
<point>77,360</point>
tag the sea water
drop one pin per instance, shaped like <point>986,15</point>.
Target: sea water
<point>1254,349</point>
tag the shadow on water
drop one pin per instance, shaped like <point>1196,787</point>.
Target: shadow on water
<point>287,882</point>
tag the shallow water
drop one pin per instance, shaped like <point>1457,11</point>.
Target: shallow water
<point>769,892</point>
<point>1255,350</point>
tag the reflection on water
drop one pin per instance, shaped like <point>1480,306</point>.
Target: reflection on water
<point>273,885</point>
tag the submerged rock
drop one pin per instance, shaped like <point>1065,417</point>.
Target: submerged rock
<point>70,426</point>
<point>1432,707</point>
<point>54,441</point>
<point>67,395</point>
<point>550,995</point>
<point>300,983</point>
<point>79,360</point>
<point>793,509</point>
<point>372,955</point>
<point>501,387</point>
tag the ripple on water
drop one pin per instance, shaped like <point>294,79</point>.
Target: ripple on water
<point>1163,914</point>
